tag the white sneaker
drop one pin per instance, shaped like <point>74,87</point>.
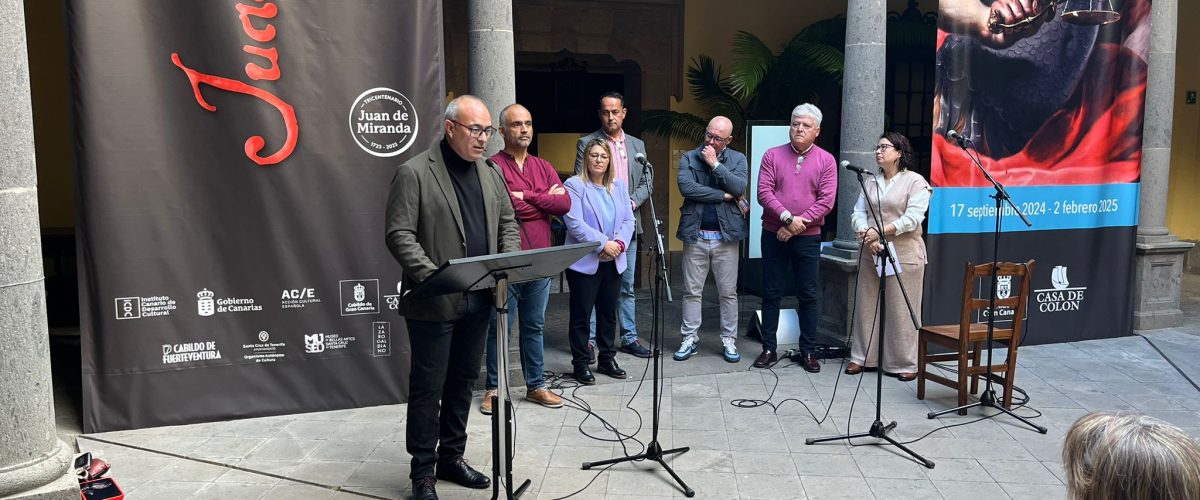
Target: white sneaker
<point>731,353</point>
<point>687,348</point>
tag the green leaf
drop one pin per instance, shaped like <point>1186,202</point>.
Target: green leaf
<point>710,88</point>
<point>673,125</point>
<point>803,59</point>
<point>753,61</point>
<point>830,32</point>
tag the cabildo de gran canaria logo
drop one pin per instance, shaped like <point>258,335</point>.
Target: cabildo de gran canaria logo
<point>383,122</point>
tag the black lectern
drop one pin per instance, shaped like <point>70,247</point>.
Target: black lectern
<point>496,272</point>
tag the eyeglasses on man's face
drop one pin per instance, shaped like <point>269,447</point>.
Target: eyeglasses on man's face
<point>709,136</point>
<point>475,130</point>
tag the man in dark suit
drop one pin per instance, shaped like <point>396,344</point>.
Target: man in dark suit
<point>446,203</point>
<point>625,149</point>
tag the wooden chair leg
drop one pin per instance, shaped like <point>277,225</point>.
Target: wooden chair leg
<point>1010,376</point>
<point>921,366</point>
<point>975,362</point>
<point>962,380</point>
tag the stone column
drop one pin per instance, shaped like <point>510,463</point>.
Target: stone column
<point>862,122</point>
<point>1159,262</point>
<point>33,461</point>
<point>492,73</point>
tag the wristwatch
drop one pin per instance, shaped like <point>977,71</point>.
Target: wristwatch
<point>788,221</point>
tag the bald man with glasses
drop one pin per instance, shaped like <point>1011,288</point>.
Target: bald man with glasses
<point>711,225</point>
<point>446,203</point>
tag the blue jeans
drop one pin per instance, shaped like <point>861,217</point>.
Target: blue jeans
<point>798,260</point>
<point>627,317</point>
<point>528,301</point>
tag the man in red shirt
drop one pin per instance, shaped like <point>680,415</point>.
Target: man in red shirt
<point>536,195</point>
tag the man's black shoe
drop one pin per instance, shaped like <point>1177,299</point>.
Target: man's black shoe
<point>584,376</point>
<point>423,488</point>
<point>459,472</point>
<point>810,363</point>
<point>611,369</point>
<point>766,359</point>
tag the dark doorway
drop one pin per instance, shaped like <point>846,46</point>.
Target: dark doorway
<point>562,90</point>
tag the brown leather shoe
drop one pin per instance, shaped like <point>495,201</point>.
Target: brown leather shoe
<point>544,397</point>
<point>853,368</point>
<point>810,363</point>
<point>766,359</point>
<point>906,376</point>
<point>486,406</point>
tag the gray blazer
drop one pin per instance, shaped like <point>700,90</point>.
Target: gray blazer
<point>424,226</point>
<point>640,186</point>
<point>701,186</point>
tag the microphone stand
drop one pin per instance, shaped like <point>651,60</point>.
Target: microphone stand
<point>988,397</point>
<point>654,450</point>
<point>878,429</point>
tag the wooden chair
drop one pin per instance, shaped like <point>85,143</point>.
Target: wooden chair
<point>966,339</point>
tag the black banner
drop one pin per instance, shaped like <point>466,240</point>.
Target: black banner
<point>1080,287</point>
<point>233,165</point>
<point>1051,103</point>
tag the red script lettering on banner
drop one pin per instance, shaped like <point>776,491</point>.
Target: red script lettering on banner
<point>254,144</point>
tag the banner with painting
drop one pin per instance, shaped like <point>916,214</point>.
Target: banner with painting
<point>1052,100</point>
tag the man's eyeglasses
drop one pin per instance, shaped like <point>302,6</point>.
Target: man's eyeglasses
<point>884,147</point>
<point>475,130</point>
<point>716,138</point>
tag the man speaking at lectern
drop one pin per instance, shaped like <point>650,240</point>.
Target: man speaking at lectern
<point>446,203</point>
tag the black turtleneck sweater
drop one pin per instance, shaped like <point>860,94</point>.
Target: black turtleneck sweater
<point>470,200</point>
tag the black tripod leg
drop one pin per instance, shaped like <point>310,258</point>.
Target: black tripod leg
<point>1018,417</point>
<point>836,438</point>
<point>962,410</point>
<point>687,490</point>
<point>924,461</point>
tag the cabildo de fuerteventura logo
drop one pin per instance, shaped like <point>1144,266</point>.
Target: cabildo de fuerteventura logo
<point>383,122</point>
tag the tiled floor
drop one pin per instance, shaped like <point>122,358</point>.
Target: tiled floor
<point>735,451</point>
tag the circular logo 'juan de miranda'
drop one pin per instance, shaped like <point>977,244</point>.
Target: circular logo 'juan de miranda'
<point>383,122</point>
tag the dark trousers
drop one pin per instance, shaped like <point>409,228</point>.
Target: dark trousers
<point>445,364</point>
<point>797,260</point>
<point>601,291</point>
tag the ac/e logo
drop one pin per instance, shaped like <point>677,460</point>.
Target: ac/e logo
<point>300,293</point>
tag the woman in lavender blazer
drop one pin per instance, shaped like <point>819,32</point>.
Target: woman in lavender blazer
<point>600,213</point>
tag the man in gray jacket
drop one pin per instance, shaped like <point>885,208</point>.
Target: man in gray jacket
<point>446,203</point>
<point>625,149</point>
<point>712,177</point>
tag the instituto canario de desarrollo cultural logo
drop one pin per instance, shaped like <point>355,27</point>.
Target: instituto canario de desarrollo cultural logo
<point>383,122</point>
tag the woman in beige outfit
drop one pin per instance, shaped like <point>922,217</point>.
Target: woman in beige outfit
<point>902,197</point>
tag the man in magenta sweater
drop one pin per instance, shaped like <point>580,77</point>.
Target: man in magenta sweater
<point>536,195</point>
<point>797,184</point>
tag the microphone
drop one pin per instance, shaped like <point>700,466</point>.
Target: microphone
<point>956,137</point>
<point>641,158</point>
<point>846,165</point>
<point>495,168</point>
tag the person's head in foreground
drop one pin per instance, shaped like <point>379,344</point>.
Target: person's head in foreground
<point>1112,456</point>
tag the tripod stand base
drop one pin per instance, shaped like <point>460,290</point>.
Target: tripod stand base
<point>879,431</point>
<point>988,400</point>
<point>653,452</point>
<point>497,493</point>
